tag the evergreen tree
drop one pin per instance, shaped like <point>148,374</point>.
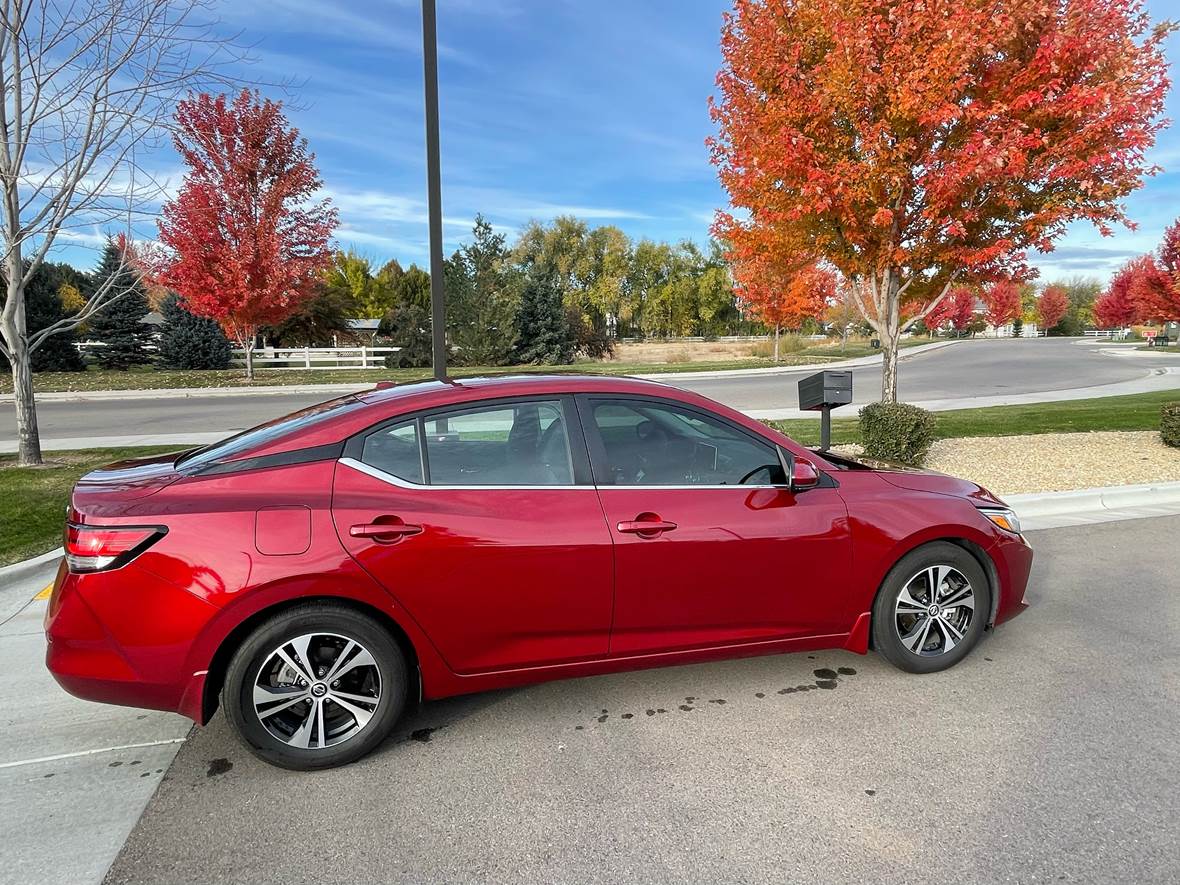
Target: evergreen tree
<point>483,295</point>
<point>190,342</point>
<point>119,324</point>
<point>542,325</point>
<point>408,327</point>
<point>43,307</point>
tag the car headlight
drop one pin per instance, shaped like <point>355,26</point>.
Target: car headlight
<point>1003,517</point>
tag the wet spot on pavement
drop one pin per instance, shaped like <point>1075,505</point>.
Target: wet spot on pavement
<point>628,715</point>
<point>870,792</point>
<point>826,683</point>
<point>686,708</point>
<point>422,735</point>
<point>218,766</point>
<point>846,671</point>
<point>825,673</point>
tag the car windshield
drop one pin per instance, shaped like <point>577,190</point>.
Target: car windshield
<point>264,433</point>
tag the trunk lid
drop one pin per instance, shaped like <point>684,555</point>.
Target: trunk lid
<point>107,490</point>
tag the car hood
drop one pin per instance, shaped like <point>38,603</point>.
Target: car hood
<point>920,480</point>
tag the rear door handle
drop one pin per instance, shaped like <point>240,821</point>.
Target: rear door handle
<point>378,530</point>
<point>646,526</point>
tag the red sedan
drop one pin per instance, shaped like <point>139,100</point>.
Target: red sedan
<point>316,573</point>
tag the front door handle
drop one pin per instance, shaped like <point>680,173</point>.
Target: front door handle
<point>646,525</point>
<point>384,530</point>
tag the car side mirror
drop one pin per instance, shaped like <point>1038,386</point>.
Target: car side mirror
<point>801,474</point>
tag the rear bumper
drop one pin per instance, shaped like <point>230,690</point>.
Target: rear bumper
<point>106,642</point>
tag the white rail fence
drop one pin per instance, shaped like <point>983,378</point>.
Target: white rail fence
<point>316,357</point>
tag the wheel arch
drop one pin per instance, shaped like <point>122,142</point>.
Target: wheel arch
<point>976,551</point>
<point>219,664</point>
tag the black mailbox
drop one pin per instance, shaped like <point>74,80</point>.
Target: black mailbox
<point>822,392</point>
<point>825,389</point>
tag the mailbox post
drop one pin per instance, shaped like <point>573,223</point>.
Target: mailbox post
<point>823,392</point>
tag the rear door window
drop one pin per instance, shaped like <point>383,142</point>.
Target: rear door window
<point>517,444</point>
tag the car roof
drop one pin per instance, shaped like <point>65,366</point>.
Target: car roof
<point>389,401</point>
<point>492,386</point>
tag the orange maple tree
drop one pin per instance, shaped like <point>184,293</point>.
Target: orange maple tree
<point>915,145</point>
<point>246,237</point>
<point>1115,307</point>
<point>1051,306</point>
<point>1001,303</point>
<point>1155,288</point>
<point>782,294</point>
<point>956,309</point>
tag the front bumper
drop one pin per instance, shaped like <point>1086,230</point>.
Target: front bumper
<point>1013,559</point>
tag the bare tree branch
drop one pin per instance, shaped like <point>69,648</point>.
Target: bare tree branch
<point>85,87</point>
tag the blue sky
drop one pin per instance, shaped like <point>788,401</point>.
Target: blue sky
<point>548,107</point>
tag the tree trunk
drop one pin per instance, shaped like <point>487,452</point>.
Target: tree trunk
<point>776,329</point>
<point>249,348</point>
<point>890,331</point>
<point>29,438</point>
<point>15,339</point>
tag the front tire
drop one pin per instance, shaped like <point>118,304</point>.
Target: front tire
<point>932,608</point>
<point>314,687</point>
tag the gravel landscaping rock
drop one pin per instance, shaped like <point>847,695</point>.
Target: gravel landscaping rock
<point>1055,462</point>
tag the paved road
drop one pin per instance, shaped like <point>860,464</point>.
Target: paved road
<point>1050,754</point>
<point>967,369</point>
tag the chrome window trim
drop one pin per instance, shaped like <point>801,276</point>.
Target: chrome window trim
<point>392,480</point>
<point>406,484</point>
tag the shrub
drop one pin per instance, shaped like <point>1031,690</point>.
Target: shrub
<point>1170,424</point>
<point>188,341</point>
<point>408,326</point>
<point>896,432</point>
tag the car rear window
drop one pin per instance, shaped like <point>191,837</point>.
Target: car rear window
<point>268,432</point>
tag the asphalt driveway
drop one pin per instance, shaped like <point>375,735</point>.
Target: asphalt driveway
<point>1051,754</point>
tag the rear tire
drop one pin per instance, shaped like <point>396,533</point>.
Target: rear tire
<point>932,608</point>
<point>315,687</point>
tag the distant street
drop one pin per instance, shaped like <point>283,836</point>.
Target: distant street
<point>967,369</point>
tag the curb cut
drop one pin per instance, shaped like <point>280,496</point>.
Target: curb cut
<point>22,569</point>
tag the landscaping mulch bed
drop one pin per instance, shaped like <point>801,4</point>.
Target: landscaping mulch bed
<point>1056,462</point>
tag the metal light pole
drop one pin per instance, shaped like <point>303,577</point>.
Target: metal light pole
<point>434,189</point>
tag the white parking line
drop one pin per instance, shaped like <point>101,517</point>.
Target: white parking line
<point>89,753</point>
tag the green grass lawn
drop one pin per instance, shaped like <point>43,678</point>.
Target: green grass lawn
<point>33,500</point>
<point>1139,411</point>
<point>149,378</point>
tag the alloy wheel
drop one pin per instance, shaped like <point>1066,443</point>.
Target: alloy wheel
<point>934,610</point>
<point>317,690</point>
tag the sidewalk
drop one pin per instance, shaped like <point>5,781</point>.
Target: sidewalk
<point>74,776</point>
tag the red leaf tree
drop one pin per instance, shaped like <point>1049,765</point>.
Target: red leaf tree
<point>916,145</point>
<point>957,309</point>
<point>1051,306</point>
<point>1155,288</point>
<point>1115,308</point>
<point>247,237</point>
<point>782,294</point>
<point>1001,303</point>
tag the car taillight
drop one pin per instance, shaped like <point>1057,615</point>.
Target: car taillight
<point>93,548</point>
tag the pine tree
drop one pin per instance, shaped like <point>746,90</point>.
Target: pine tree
<point>43,307</point>
<point>119,324</point>
<point>544,330</point>
<point>408,327</point>
<point>190,342</point>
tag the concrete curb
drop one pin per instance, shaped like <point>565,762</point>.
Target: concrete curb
<point>287,389</point>
<point>20,570</point>
<point>1088,500</point>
